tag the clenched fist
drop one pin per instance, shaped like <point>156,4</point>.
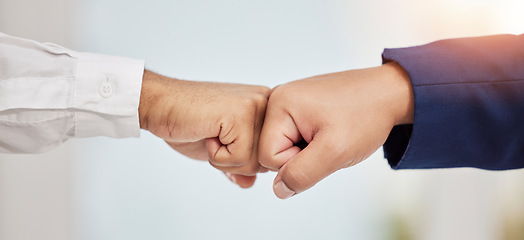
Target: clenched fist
<point>207,121</point>
<point>316,126</point>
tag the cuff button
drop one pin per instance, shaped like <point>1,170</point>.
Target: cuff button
<point>106,89</point>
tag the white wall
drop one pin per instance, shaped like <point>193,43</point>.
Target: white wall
<point>141,189</point>
<point>34,189</point>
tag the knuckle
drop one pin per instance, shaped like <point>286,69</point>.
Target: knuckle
<point>277,91</point>
<point>247,105</point>
<point>282,94</point>
<point>260,99</point>
<point>264,90</point>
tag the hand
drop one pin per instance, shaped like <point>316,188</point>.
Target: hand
<point>340,118</point>
<point>218,122</point>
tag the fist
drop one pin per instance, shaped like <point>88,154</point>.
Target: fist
<point>316,126</point>
<point>217,122</point>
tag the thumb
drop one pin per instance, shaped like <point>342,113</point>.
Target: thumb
<point>315,162</point>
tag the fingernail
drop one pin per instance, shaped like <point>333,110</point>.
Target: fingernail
<point>282,191</point>
<point>231,177</point>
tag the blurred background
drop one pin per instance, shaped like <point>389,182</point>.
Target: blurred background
<point>106,189</point>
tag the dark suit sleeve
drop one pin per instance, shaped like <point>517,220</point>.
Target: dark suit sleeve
<point>469,104</point>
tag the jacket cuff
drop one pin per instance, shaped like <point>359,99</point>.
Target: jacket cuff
<point>468,104</point>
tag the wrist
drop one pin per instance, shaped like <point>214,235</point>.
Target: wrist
<point>403,101</point>
<point>148,96</point>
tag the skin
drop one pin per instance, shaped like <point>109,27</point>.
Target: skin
<point>217,122</point>
<point>316,126</point>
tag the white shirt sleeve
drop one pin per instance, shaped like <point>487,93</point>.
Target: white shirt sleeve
<point>49,94</point>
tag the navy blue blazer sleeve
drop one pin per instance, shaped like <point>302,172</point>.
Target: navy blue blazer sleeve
<point>469,104</point>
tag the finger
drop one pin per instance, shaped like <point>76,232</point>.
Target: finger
<point>226,157</point>
<point>216,148</point>
<point>231,177</point>
<point>250,169</point>
<point>234,145</point>
<point>318,160</point>
<point>277,140</point>
<point>223,155</point>
<point>241,180</point>
<point>244,181</point>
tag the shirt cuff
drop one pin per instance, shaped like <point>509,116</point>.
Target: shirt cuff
<point>106,96</point>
